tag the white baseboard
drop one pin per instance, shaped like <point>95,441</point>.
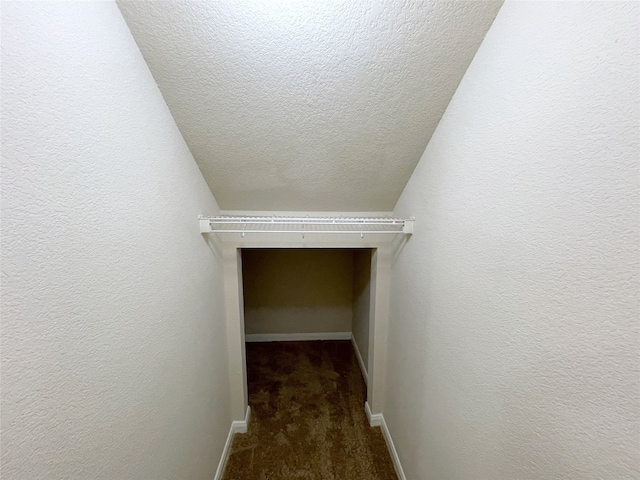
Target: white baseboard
<point>241,426</point>
<point>363,369</point>
<point>237,426</point>
<point>377,420</point>
<point>296,337</point>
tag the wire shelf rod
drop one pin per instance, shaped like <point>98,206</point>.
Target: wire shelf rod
<point>274,224</point>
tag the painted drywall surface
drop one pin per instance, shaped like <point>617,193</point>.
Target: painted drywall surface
<point>308,105</point>
<point>297,290</point>
<point>291,213</point>
<point>380,273</point>
<point>513,335</point>
<point>114,361</point>
<point>361,299</point>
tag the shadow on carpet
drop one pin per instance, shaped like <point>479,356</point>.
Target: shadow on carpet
<point>307,417</point>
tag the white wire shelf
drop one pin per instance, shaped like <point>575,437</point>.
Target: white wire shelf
<point>306,225</point>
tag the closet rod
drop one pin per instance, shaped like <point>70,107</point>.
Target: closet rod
<point>275,224</point>
<point>377,232</point>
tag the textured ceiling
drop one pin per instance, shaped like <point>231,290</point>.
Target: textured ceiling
<point>308,105</point>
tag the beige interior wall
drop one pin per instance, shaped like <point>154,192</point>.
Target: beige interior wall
<point>361,298</point>
<point>380,274</point>
<point>297,290</point>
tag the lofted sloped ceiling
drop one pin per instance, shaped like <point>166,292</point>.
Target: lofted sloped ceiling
<point>308,105</point>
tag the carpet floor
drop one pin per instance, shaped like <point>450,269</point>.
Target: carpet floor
<point>307,417</point>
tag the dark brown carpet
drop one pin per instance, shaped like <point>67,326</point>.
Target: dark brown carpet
<point>307,417</point>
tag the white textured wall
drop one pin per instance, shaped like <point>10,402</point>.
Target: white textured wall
<point>297,290</point>
<point>361,300</point>
<point>114,361</point>
<point>513,340</point>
